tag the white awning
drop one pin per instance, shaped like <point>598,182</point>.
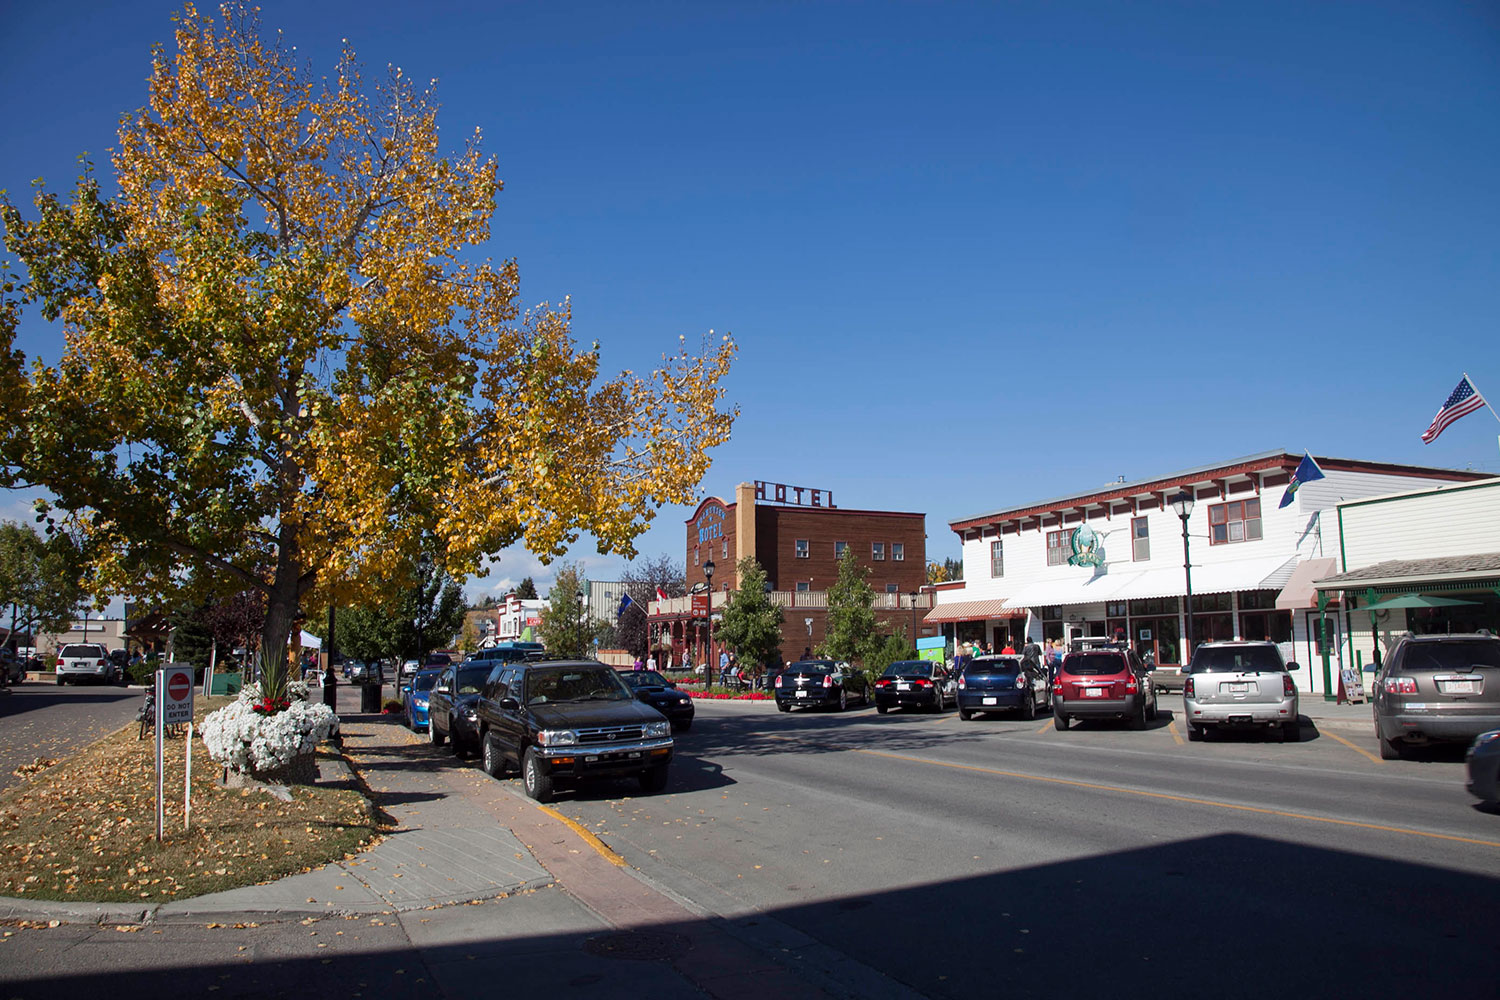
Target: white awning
<point>1269,573</point>
<point>1079,590</point>
<point>310,641</point>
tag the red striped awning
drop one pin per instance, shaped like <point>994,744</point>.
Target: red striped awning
<point>969,611</point>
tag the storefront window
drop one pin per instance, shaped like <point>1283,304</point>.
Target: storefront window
<point>1058,547</point>
<point>1273,625</point>
<point>1156,606</point>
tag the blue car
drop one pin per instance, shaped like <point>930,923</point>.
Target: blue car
<point>1003,684</point>
<point>415,692</point>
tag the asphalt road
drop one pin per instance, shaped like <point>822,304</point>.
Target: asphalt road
<point>951,856</point>
<point>40,719</point>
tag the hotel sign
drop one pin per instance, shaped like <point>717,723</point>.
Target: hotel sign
<point>710,523</point>
<point>782,493</point>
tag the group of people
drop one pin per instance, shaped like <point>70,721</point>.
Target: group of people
<point>1043,653</point>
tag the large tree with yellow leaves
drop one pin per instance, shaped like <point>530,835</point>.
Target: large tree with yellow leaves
<point>282,366</point>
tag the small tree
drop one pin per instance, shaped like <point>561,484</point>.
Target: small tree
<point>566,630</point>
<point>527,590</point>
<point>752,623</point>
<point>895,647</point>
<point>851,615</point>
<point>38,579</point>
<point>468,637</point>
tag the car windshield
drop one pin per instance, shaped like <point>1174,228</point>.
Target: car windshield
<point>993,666</point>
<point>1457,655</point>
<point>424,682</point>
<point>644,678</point>
<point>1094,663</point>
<point>909,668</point>
<point>81,650</point>
<point>559,684</point>
<point>471,679</point>
<point>1236,659</point>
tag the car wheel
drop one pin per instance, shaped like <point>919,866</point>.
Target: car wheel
<point>782,706</point>
<point>1138,717</point>
<point>1195,733</point>
<point>843,700</point>
<point>491,761</point>
<point>1390,749</point>
<point>654,779</point>
<point>882,709</point>
<point>537,782</point>
<point>1155,708</point>
<point>1059,720</point>
<point>965,714</point>
<point>434,737</point>
<point>1028,707</point>
<point>1291,732</point>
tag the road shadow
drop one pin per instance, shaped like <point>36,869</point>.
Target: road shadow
<point>36,698</point>
<point>1123,923</point>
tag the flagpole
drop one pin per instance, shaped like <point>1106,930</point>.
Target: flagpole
<point>1483,397</point>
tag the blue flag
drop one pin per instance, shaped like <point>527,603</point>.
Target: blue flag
<point>1307,471</point>
<point>625,602</point>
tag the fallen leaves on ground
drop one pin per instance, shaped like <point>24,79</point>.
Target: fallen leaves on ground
<point>84,828</point>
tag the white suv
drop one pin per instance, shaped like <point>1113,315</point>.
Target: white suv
<point>90,660</point>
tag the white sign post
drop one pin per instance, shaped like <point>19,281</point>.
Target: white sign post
<point>174,706</point>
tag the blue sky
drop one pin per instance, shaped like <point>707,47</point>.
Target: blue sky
<point>973,254</point>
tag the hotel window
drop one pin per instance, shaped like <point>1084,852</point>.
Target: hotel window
<point>724,549</point>
<point>997,558</point>
<point>1140,539</point>
<point>898,552</point>
<point>801,548</point>
<point>838,549</point>
<point>893,588</point>
<point>1234,522</point>
<point>803,586</point>
<point>1059,547</point>
<point>695,556</point>
<point>877,551</point>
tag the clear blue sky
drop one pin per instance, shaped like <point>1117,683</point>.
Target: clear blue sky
<point>974,254</point>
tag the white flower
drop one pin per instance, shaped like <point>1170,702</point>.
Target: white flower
<point>245,740</point>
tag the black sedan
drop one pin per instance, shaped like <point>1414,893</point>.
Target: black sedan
<point>662,695</point>
<point>827,683</point>
<point>1484,769</point>
<point>914,684</point>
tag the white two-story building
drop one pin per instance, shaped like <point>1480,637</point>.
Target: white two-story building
<point>1111,560</point>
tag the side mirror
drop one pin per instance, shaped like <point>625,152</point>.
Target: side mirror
<point>441,689</point>
<point>509,704</point>
<point>672,685</point>
<point>1294,665</point>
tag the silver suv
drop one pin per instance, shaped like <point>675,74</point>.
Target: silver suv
<point>1240,684</point>
<point>79,660</point>
<point>1437,688</point>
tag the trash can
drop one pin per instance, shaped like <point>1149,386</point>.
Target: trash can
<point>369,698</point>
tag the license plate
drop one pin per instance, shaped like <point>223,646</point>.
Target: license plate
<point>590,760</point>
<point>1093,692</point>
<point>1238,688</point>
<point>801,694</point>
<point>1458,687</point>
<point>992,701</point>
<point>634,753</point>
<point>902,687</point>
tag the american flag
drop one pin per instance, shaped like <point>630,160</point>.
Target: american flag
<point>1464,400</point>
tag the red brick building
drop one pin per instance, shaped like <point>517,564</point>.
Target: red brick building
<point>797,534</point>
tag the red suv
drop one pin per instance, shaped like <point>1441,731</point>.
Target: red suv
<point>1106,682</point>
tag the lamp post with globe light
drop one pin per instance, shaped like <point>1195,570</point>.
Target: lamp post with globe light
<point>708,575</point>
<point>1182,504</point>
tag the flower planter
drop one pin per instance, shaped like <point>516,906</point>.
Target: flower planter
<point>303,770</point>
<point>269,742</point>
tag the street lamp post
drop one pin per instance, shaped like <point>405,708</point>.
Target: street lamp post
<point>708,574</point>
<point>1182,504</point>
<point>913,619</point>
<point>581,651</point>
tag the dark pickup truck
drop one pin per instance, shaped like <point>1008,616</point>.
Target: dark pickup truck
<point>567,721</point>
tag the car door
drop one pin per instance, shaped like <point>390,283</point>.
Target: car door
<point>510,723</point>
<point>440,701</point>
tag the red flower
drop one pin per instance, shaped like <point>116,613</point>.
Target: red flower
<point>271,706</point>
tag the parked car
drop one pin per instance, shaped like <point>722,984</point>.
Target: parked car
<point>1105,682</point>
<point>363,672</point>
<point>1229,685</point>
<point>1437,688</point>
<point>450,705</point>
<point>662,695</point>
<point>437,660</point>
<point>819,682</point>
<point>414,693</point>
<point>914,684</point>
<point>1003,683</point>
<point>78,661</point>
<point>13,665</point>
<point>1483,762</point>
<point>410,667</point>
<point>562,722</point>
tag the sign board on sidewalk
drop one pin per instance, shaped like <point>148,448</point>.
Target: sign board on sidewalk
<point>177,694</point>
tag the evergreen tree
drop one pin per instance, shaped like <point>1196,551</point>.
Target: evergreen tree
<point>527,590</point>
<point>751,623</point>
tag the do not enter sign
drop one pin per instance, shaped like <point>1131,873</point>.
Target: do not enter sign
<point>177,695</point>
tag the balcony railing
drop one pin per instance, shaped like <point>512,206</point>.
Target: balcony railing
<point>793,599</point>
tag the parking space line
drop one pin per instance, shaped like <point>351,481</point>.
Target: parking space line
<point>1050,725</point>
<point>1172,728</point>
<point>1186,799</point>
<point>1351,746</point>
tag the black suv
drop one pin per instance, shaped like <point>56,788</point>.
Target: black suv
<point>567,721</point>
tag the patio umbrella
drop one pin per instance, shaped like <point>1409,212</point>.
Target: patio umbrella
<point>1414,601</point>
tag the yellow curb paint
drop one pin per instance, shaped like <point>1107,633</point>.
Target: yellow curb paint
<point>588,838</point>
<point>1351,746</point>
<point>1050,725</point>
<point>1187,799</point>
<point>1172,728</point>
